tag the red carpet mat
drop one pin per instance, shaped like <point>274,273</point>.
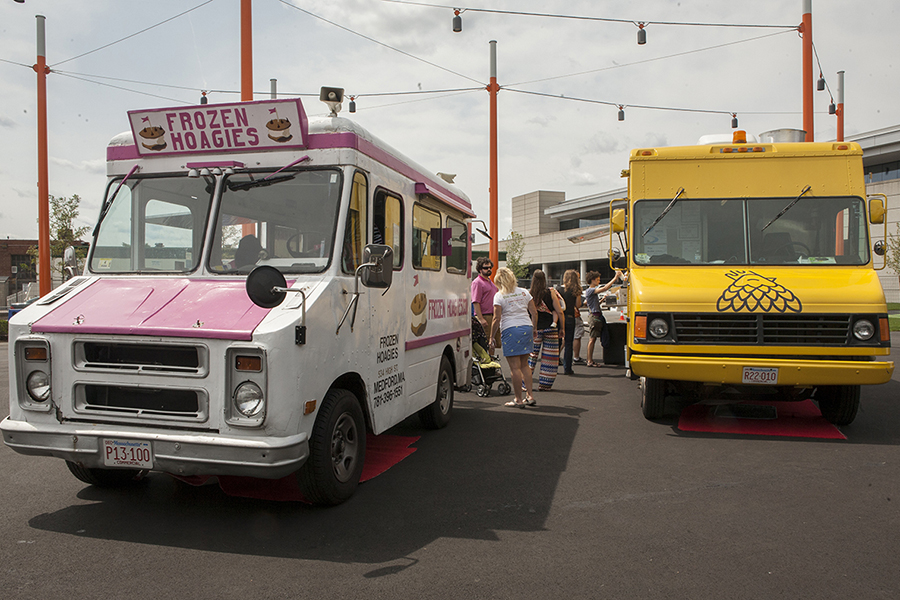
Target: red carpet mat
<point>785,419</point>
<point>382,453</point>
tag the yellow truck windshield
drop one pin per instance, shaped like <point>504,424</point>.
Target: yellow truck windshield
<point>739,231</point>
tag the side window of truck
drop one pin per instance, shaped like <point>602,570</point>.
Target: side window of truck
<point>458,259</point>
<point>355,233</point>
<point>387,226</point>
<point>424,220</point>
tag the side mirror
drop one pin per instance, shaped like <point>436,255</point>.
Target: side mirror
<point>265,286</point>
<point>617,220</point>
<point>876,211</point>
<point>70,263</point>
<point>380,270</point>
<point>616,260</point>
<point>879,248</point>
<point>69,259</point>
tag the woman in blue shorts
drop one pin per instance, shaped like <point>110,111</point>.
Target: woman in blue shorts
<point>515,316</point>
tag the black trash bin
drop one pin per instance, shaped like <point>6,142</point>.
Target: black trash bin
<point>615,354</point>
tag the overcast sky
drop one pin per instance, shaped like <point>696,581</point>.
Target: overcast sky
<point>545,143</point>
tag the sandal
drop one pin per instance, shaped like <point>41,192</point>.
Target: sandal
<point>591,363</point>
<point>529,400</point>
<point>516,404</point>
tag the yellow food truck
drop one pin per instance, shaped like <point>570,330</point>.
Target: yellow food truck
<point>752,275</point>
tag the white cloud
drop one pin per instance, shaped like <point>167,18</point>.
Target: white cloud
<point>582,179</point>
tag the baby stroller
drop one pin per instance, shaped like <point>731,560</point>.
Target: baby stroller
<point>485,368</point>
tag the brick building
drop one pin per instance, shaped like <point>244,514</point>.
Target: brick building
<point>14,253</point>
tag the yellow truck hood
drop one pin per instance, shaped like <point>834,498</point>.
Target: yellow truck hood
<point>757,289</point>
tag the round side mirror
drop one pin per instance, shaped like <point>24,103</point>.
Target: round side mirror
<point>261,284</point>
<point>879,248</point>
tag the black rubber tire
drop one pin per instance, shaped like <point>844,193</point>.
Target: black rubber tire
<point>437,414</point>
<point>483,391</point>
<point>504,389</point>
<point>838,403</point>
<point>653,398</point>
<point>106,478</point>
<point>337,450</point>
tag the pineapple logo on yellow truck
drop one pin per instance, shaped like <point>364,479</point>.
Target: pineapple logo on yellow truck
<point>751,292</point>
<point>752,275</point>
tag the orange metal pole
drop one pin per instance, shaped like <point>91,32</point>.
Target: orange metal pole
<point>246,51</point>
<point>493,88</point>
<point>806,32</point>
<point>840,107</point>
<point>45,275</point>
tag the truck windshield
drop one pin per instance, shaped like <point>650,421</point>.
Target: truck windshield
<point>153,224</point>
<point>815,231</point>
<point>287,221</point>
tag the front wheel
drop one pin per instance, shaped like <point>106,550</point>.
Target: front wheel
<point>653,398</point>
<point>337,450</point>
<point>437,414</point>
<point>838,403</point>
<point>107,478</point>
<point>504,388</point>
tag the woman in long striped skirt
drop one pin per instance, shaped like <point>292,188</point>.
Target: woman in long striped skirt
<point>546,339</point>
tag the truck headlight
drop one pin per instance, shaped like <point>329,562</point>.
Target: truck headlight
<point>863,330</point>
<point>659,328</point>
<point>38,386</point>
<point>249,399</point>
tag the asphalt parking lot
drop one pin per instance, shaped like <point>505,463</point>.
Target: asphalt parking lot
<point>578,497</point>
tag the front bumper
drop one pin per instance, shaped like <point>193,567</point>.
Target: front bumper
<point>177,453</point>
<point>794,372</point>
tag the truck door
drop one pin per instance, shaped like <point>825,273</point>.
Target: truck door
<point>387,312</point>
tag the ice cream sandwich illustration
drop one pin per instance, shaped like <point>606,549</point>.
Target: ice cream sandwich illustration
<point>154,138</point>
<point>419,316</point>
<point>279,130</point>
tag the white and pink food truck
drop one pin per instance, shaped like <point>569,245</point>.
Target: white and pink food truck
<point>263,291</point>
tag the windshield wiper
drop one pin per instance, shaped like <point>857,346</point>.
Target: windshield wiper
<point>241,186</point>
<point>663,213</point>
<point>786,208</point>
<point>108,204</point>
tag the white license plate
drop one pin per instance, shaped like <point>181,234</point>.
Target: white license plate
<point>127,453</point>
<point>759,376</point>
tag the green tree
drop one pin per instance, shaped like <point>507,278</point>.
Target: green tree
<point>63,232</point>
<point>892,255</point>
<point>515,255</point>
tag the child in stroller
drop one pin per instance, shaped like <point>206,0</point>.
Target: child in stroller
<point>485,368</point>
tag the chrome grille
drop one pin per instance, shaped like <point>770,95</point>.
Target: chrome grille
<point>140,358</point>
<point>780,330</point>
<point>141,402</point>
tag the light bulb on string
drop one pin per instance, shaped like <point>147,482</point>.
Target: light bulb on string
<point>621,113</point>
<point>457,21</point>
<point>642,35</point>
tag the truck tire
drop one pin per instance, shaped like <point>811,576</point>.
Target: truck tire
<point>653,398</point>
<point>838,403</point>
<point>437,414</point>
<point>337,450</point>
<point>105,478</point>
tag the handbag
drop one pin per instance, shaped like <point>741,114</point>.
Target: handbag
<point>544,317</point>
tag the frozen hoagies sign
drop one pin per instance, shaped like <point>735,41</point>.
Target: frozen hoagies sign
<point>236,127</point>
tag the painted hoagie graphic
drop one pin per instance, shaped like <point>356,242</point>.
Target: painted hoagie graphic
<point>279,130</point>
<point>153,138</point>
<point>419,316</point>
